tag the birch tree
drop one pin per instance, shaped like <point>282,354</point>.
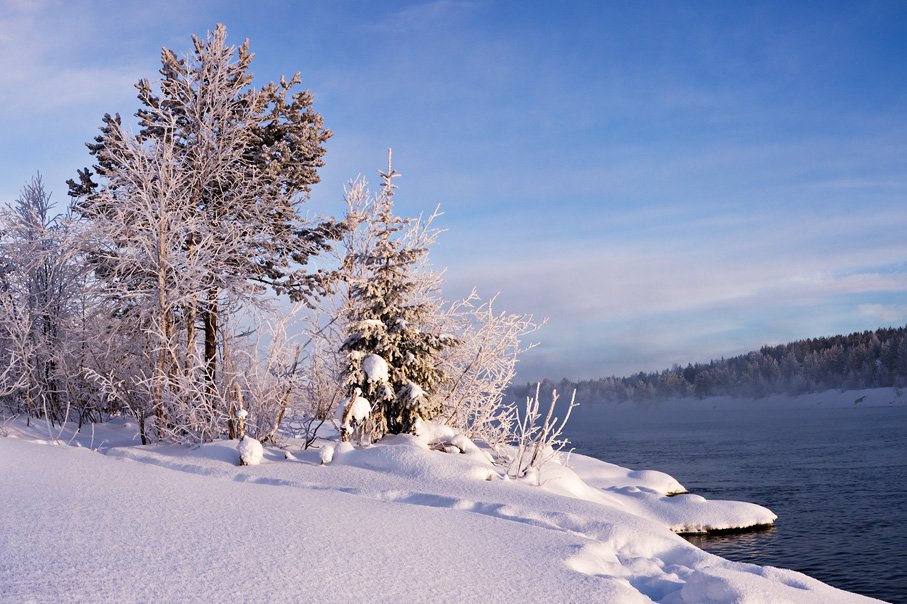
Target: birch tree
<point>40,290</point>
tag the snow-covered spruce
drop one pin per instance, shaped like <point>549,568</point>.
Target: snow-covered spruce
<point>390,319</point>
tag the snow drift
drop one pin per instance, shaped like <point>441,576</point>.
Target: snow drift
<point>398,521</point>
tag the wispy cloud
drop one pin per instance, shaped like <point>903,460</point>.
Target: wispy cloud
<point>423,15</point>
<point>713,286</point>
<point>886,314</point>
<point>41,64</point>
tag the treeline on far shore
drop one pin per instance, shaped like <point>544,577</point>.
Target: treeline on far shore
<point>869,359</point>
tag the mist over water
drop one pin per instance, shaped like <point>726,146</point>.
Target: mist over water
<point>836,478</point>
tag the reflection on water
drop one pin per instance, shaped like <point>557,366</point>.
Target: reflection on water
<point>739,546</point>
<point>836,478</point>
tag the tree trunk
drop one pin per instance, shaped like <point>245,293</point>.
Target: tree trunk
<point>191,313</point>
<point>210,319</point>
<point>190,333</point>
<point>160,371</point>
<point>165,329</point>
<point>231,387</point>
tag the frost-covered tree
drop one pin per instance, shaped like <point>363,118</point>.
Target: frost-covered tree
<point>480,366</point>
<point>41,312</point>
<point>392,355</point>
<point>134,232</point>
<point>479,346</point>
<point>247,157</point>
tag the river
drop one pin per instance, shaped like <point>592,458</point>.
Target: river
<point>836,478</point>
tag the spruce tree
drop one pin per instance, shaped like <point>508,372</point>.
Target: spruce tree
<point>388,323</point>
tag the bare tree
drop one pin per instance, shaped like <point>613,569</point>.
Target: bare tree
<point>480,366</point>
<point>537,440</point>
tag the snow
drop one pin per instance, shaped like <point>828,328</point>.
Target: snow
<point>375,368</point>
<point>327,454</point>
<point>448,439</point>
<point>250,451</point>
<point>107,520</point>
<point>356,409</point>
<point>414,391</point>
<point>360,409</point>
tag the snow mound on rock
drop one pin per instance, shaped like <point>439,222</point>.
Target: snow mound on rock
<point>250,451</point>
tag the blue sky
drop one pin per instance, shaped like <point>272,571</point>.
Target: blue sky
<point>665,181</point>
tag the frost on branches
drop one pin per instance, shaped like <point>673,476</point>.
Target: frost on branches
<point>193,218</point>
<point>156,298</point>
<point>412,354</point>
<point>388,317</point>
<point>43,313</point>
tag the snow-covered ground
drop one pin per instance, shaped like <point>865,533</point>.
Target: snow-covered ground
<point>104,519</point>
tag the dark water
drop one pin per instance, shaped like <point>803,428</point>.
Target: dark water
<point>836,478</point>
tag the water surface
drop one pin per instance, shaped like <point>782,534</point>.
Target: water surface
<point>836,478</point>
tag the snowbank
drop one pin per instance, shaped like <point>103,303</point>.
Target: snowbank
<point>399,521</point>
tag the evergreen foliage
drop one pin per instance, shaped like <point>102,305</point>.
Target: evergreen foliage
<point>389,316</point>
<point>245,158</point>
<point>868,359</point>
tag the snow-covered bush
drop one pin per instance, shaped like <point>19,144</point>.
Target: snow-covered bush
<point>480,366</point>
<point>250,450</point>
<point>317,391</point>
<point>263,374</point>
<point>355,418</point>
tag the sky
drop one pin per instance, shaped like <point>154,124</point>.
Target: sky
<point>665,182</point>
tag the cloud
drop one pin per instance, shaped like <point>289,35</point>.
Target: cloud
<point>633,280</point>
<point>63,87</point>
<point>686,290</point>
<point>885,314</point>
<point>41,67</point>
<point>421,16</point>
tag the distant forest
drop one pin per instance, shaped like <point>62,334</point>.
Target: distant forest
<point>871,359</point>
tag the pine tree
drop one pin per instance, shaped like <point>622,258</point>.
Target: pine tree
<point>391,352</point>
<point>248,157</point>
